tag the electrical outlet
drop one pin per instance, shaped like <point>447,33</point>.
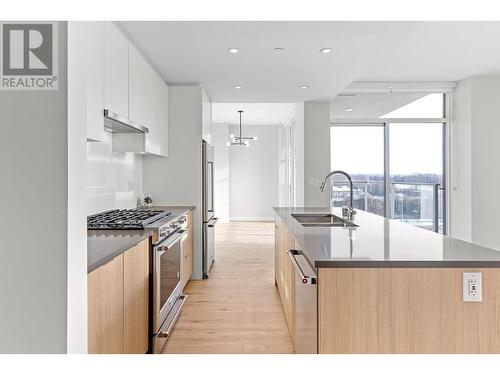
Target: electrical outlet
<point>473,287</point>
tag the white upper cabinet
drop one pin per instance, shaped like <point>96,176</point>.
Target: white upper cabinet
<point>138,86</point>
<point>148,102</point>
<point>206,117</point>
<point>106,72</point>
<point>95,81</point>
<point>116,84</point>
<point>163,124</point>
<point>86,73</point>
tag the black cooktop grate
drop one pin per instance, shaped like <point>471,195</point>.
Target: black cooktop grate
<point>125,219</point>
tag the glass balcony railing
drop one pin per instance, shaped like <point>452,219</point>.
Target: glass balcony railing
<point>415,203</point>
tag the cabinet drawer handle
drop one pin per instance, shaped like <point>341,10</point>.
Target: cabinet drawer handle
<point>306,279</point>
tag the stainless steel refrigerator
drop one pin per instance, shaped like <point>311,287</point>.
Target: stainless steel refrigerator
<point>209,219</point>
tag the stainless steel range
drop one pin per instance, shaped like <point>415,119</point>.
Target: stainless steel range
<point>167,288</point>
<point>169,236</point>
<point>126,219</point>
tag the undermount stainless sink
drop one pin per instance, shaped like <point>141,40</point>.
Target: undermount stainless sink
<point>322,220</point>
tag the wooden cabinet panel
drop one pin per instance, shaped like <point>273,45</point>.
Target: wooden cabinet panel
<point>406,310</point>
<point>105,308</point>
<point>187,261</point>
<point>136,298</point>
<point>118,303</point>
<point>116,66</point>
<point>285,273</point>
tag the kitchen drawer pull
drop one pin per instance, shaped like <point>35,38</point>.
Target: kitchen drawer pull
<point>305,279</point>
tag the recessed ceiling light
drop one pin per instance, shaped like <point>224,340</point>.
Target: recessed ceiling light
<point>238,87</point>
<point>348,109</point>
<point>303,87</point>
<point>325,51</point>
<point>279,50</point>
<point>233,50</point>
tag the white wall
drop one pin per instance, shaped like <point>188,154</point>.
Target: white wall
<point>114,180</point>
<point>177,179</point>
<point>220,135</point>
<point>299,154</point>
<point>459,222</point>
<point>485,162</point>
<point>298,116</point>
<point>474,206</point>
<point>316,152</point>
<point>77,195</point>
<point>34,220</point>
<point>253,177</point>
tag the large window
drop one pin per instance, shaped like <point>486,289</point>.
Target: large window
<point>359,150</point>
<point>396,159</point>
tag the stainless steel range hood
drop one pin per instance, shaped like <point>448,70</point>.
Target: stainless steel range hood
<point>115,123</point>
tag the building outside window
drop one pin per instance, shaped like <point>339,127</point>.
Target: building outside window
<point>398,164</point>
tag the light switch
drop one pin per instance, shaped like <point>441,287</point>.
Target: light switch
<point>473,287</point>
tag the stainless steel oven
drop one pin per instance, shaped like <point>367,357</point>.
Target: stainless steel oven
<point>167,289</point>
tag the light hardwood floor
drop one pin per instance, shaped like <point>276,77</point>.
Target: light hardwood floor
<point>237,310</point>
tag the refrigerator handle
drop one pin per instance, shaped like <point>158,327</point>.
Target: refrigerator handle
<point>211,209</point>
<point>212,222</point>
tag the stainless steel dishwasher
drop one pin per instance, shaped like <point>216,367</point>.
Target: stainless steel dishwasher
<point>306,304</point>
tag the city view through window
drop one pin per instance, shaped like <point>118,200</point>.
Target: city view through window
<point>415,165</point>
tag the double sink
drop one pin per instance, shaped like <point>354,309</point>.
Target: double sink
<point>322,220</point>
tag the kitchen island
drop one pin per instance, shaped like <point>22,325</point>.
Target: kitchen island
<point>388,287</point>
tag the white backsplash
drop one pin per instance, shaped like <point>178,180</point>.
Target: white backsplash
<point>114,180</point>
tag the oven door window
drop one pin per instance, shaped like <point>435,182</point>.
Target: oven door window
<point>169,272</point>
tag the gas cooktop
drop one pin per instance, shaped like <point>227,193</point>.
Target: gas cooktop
<point>125,219</point>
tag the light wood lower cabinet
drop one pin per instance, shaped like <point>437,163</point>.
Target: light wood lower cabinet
<point>136,298</point>
<point>285,274</point>
<point>118,303</point>
<point>187,256</point>
<point>105,308</point>
<point>406,310</point>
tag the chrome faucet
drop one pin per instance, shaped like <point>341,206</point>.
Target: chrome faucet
<point>349,213</point>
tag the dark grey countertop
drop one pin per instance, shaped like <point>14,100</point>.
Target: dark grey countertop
<point>381,242</point>
<point>104,245</point>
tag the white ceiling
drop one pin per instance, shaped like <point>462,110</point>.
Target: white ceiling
<point>370,105</point>
<point>254,113</point>
<point>362,51</point>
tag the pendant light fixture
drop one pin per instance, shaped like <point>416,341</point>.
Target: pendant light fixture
<point>240,140</point>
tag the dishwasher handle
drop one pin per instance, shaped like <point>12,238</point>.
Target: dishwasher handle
<point>305,279</point>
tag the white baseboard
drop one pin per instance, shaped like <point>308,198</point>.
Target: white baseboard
<point>266,218</point>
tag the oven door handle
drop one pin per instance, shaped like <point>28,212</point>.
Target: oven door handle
<point>167,243</point>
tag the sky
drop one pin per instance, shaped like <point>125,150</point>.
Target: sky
<point>414,148</point>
